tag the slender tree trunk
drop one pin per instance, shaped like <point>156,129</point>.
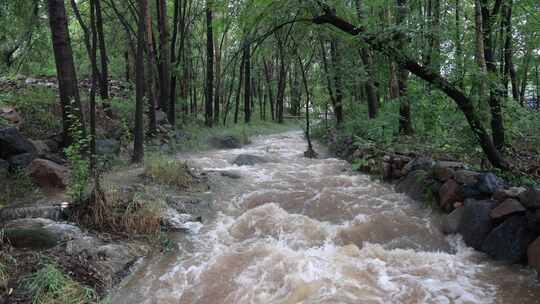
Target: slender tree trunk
<point>459,46</point>
<point>165,101</point>
<point>525,75</point>
<point>268,74</point>
<point>338,104</point>
<point>209,65</point>
<point>247,83</point>
<point>104,79</point>
<point>367,60</point>
<point>282,77</point>
<point>65,69</point>
<point>239,90</point>
<point>151,86</point>
<point>405,119</point>
<point>138,145</point>
<point>509,69</point>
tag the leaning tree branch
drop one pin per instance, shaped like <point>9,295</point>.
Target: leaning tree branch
<point>464,103</point>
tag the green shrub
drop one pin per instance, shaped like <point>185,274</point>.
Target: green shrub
<point>164,170</point>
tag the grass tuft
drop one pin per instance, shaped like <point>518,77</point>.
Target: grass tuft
<point>50,285</point>
<point>163,170</point>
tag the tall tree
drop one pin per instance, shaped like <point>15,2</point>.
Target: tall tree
<point>65,69</point>
<point>138,144</point>
<point>209,91</point>
<point>104,75</point>
<point>167,103</point>
<point>247,82</point>
<point>405,118</point>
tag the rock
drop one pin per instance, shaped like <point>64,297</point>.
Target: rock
<point>488,183</point>
<point>533,254</point>
<point>48,174</point>
<point>175,221</point>
<point>26,223</point>
<point>52,144</point>
<point>476,222</point>
<point>248,160</point>
<point>226,142</point>
<point>471,191</point>
<point>508,241</point>
<point>533,220</point>
<point>107,147</point>
<point>449,194</point>
<point>387,171</point>
<point>231,174</point>
<point>443,173</point>
<point>508,207</point>
<point>451,221</point>
<point>502,194</point>
<point>112,251</point>
<point>530,198</point>
<point>85,245</point>
<point>12,143</point>
<point>49,212</point>
<point>34,238</point>
<point>4,168</point>
<point>414,184</point>
<point>63,231</point>
<point>419,163</point>
<point>466,177</point>
<point>42,148</point>
<point>20,161</point>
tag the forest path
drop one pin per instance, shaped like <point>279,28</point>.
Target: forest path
<point>297,230</point>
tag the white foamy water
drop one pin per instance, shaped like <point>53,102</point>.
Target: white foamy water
<point>296,230</point>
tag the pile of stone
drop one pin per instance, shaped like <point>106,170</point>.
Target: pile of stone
<point>492,217</point>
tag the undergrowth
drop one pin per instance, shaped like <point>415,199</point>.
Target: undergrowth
<point>16,186</point>
<point>164,170</point>
<point>50,285</point>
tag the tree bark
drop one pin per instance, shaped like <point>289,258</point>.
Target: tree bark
<point>209,66</point>
<point>338,101</point>
<point>138,144</point>
<point>405,119</point>
<point>247,83</point>
<point>65,69</point>
<point>165,101</point>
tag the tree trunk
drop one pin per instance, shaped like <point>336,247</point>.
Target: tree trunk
<point>151,86</point>
<point>138,144</point>
<point>104,77</point>
<point>405,119</point>
<point>65,69</point>
<point>209,66</point>
<point>166,103</point>
<point>268,74</point>
<point>247,83</point>
<point>338,102</point>
<point>239,90</point>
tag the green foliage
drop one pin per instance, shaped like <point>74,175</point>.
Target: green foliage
<point>50,285</point>
<point>18,185</point>
<point>164,170</point>
<point>38,108</point>
<point>76,154</point>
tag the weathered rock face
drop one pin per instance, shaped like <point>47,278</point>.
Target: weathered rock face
<point>107,147</point>
<point>48,174</point>
<point>12,143</point>
<point>414,184</point>
<point>449,194</point>
<point>451,221</point>
<point>248,160</point>
<point>48,212</point>
<point>226,142</point>
<point>419,163</point>
<point>34,238</point>
<point>508,241</point>
<point>476,222</point>
<point>514,192</point>
<point>42,148</point>
<point>533,254</point>
<point>488,183</point>
<point>508,207</point>
<point>530,198</point>
<point>466,177</point>
<point>20,161</point>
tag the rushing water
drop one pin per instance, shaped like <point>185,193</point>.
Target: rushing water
<point>297,230</point>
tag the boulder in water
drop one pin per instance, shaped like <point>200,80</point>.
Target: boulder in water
<point>530,198</point>
<point>508,207</point>
<point>226,142</point>
<point>451,221</point>
<point>414,184</point>
<point>249,160</point>
<point>476,222</point>
<point>508,241</point>
<point>449,194</point>
<point>467,177</point>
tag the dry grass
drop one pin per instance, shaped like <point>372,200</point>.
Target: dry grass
<point>163,170</point>
<point>112,211</point>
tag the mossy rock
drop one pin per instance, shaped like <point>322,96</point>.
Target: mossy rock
<point>34,238</point>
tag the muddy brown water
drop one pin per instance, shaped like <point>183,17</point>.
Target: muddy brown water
<point>297,230</point>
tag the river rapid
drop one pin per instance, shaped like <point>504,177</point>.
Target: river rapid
<point>297,230</point>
